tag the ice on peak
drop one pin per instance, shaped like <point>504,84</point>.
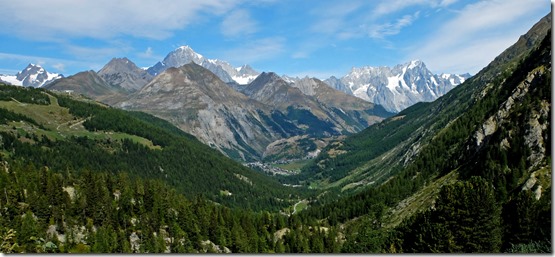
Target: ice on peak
<point>32,65</point>
<point>187,48</point>
<point>414,63</point>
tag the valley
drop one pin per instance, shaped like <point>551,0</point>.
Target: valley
<point>193,155</point>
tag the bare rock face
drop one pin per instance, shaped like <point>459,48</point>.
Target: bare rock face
<point>209,247</point>
<point>90,84</point>
<point>134,241</point>
<point>491,125</point>
<point>199,103</point>
<point>124,73</point>
<point>243,124</point>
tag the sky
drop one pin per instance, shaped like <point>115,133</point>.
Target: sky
<point>316,38</point>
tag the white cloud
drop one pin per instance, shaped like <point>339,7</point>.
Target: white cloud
<point>477,34</point>
<point>238,23</point>
<point>93,53</point>
<point>382,30</point>
<point>255,51</point>
<point>50,64</point>
<point>332,18</point>
<point>391,6</point>
<point>104,19</point>
<point>60,67</point>
<point>148,52</point>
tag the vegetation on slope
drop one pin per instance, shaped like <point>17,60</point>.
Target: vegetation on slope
<point>506,159</point>
<point>114,141</point>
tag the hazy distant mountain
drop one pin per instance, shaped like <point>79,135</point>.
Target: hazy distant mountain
<point>124,73</point>
<point>32,76</point>
<point>396,88</point>
<point>225,71</point>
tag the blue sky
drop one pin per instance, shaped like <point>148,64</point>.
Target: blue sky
<point>318,38</point>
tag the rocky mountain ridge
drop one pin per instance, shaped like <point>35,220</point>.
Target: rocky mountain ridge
<point>124,73</point>
<point>242,124</point>
<point>224,70</point>
<point>398,87</point>
<point>32,76</point>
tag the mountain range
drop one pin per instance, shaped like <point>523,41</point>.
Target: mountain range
<point>32,76</point>
<point>242,112</point>
<point>398,87</point>
<point>470,172</point>
<point>243,123</point>
<point>225,71</point>
<point>395,88</point>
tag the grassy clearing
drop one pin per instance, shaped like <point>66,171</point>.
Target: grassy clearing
<point>59,124</point>
<point>300,206</point>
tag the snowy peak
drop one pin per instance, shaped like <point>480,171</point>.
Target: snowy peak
<point>245,74</point>
<point>176,58</point>
<point>224,70</point>
<point>247,70</point>
<point>398,87</point>
<point>181,56</point>
<point>32,76</point>
<point>455,79</point>
<point>415,64</point>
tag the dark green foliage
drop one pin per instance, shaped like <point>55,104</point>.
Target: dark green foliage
<point>380,111</point>
<point>316,127</point>
<point>284,124</point>
<point>23,94</point>
<point>126,190</point>
<point>456,117</point>
<point>466,219</point>
<point>182,161</point>
<point>528,221</point>
<point>112,208</point>
<point>358,124</point>
<point>7,116</point>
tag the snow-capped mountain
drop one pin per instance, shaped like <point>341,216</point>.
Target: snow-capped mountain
<point>245,74</point>
<point>224,70</point>
<point>32,76</point>
<point>396,88</point>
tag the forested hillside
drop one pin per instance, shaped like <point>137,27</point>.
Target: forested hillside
<point>80,177</point>
<point>467,173</point>
<point>68,135</point>
<point>480,183</point>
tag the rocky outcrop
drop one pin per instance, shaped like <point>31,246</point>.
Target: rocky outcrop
<point>491,125</point>
<point>209,247</point>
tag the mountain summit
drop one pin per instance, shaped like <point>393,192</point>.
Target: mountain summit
<point>224,70</point>
<point>398,87</point>
<point>124,73</point>
<point>244,123</point>
<point>32,76</point>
